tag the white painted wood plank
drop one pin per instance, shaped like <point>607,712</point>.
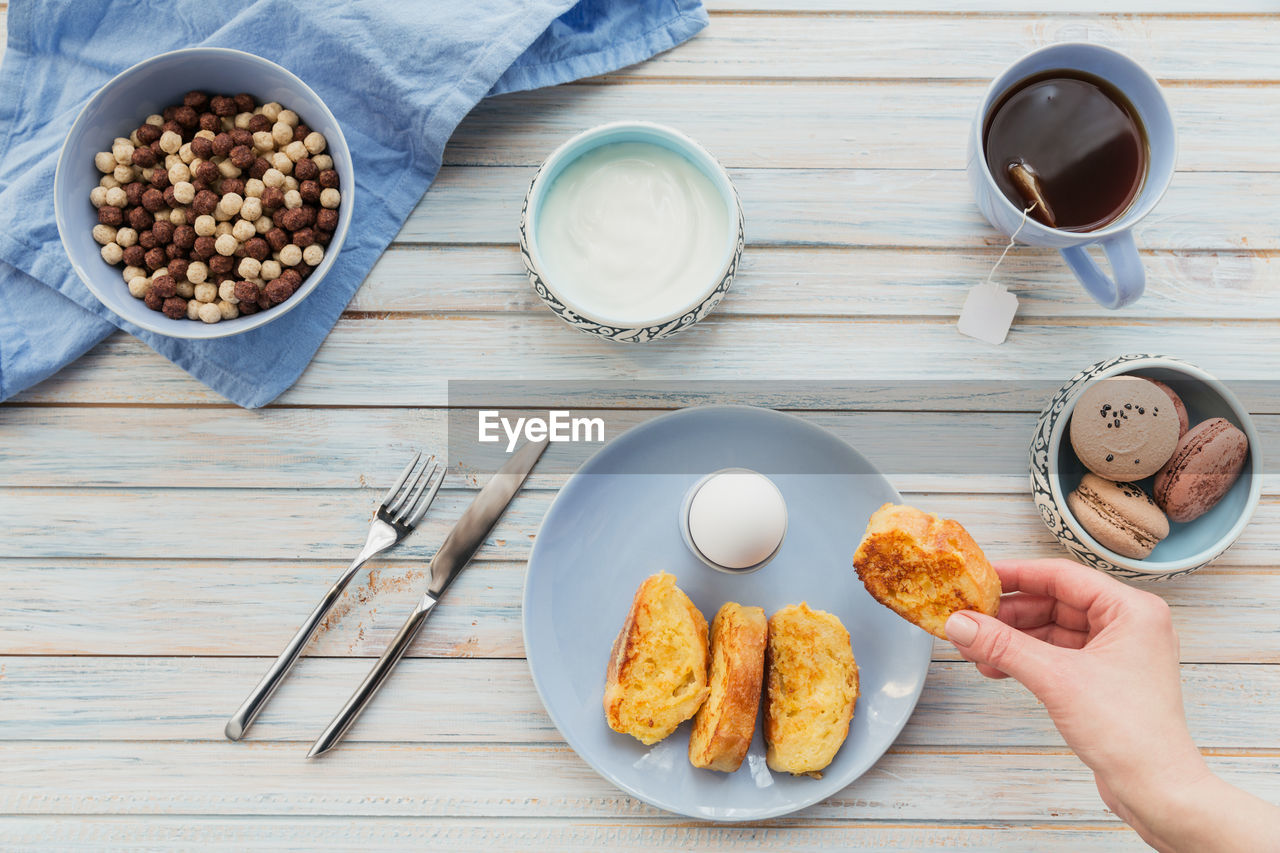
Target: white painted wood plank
<point>236,834</point>
<point>906,208</point>
<point>483,701</point>
<point>962,46</point>
<point>1225,614</point>
<point>522,781</point>
<point>852,282</point>
<point>836,125</point>
<point>418,355</point>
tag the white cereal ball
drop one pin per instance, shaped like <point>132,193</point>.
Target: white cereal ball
<point>185,289</point>
<point>253,188</point>
<point>226,245</point>
<point>138,286</point>
<point>180,173</point>
<point>170,142</point>
<point>204,225</point>
<point>242,120</point>
<point>178,216</point>
<point>126,237</point>
<point>249,267</point>
<point>315,142</point>
<point>105,161</point>
<point>183,191</point>
<point>290,182</point>
<point>113,254</point>
<point>224,227</point>
<point>228,124</point>
<point>185,154</point>
<point>330,198</point>
<point>313,254</point>
<point>227,292</point>
<point>291,255</point>
<point>98,196</point>
<point>289,117</point>
<point>122,152</point>
<point>155,119</point>
<point>228,169</point>
<point>281,161</point>
<point>231,203</point>
<point>193,310</point>
<point>264,141</point>
<point>323,162</point>
<point>222,216</point>
<point>206,292</point>
<point>210,313</point>
<point>116,197</point>
<point>207,134</point>
<point>197,272</point>
<point>134,140</point>
<point>242,230</point>
<point>171,160</point>
<point>162,214</point>
<point>292,199</point>
<point>103,234</point>
<point>162,271</point>
<point>273,178</point>
<point>282,134</point>
<point>271,110</point>
<point>270,270</point>
<point>251,209</point>
<point>130,273</point>
<point>108,181</point>
<point>146,174</point>
<point>228,309</point>
<point>123,174</point>
<point>295,151</point>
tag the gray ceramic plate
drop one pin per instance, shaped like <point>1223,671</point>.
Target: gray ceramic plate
<point>616,522</point>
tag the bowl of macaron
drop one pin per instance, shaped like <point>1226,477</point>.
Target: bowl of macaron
<point>1145,467</point>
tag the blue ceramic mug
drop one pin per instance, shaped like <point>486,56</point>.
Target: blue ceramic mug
<point>1127,278</point>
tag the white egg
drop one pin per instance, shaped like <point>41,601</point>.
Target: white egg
<point>737,519</point>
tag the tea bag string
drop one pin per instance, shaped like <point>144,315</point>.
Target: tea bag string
<point>1012,238</point>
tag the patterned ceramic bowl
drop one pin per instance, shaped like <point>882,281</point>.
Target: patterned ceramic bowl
<point>630,330</point>
<point>1055,471</point>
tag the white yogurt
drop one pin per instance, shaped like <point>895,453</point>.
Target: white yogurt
<point>632,232</point>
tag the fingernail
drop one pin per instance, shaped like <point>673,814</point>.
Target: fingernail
<point>961,629</point>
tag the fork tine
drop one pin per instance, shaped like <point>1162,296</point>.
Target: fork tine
<point>421,508</point>
<point>403,501</point>
<point>404,475</point>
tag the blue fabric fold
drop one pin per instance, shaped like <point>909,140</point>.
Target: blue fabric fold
<point>398,76</point>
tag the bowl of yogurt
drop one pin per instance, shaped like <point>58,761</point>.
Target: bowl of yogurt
<point>631,231</point>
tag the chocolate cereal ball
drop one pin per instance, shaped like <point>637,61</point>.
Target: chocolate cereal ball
<point>175,307</point>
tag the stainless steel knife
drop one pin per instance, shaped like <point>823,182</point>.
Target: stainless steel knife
<point>457,550</point>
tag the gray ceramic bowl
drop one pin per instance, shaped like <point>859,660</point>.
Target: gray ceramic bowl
<point>1055,472</point>
<point>119,107</point>
<point>630,329</point>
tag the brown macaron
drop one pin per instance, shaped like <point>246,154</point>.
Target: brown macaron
<point>1124,428</point>
<point>1119,515</point>
<point>1204,467</point>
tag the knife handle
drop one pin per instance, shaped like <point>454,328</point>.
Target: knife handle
<point>337,728</point>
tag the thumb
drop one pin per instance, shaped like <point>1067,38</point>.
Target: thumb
<point>982,639</point>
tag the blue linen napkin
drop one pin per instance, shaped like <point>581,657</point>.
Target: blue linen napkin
<point>398,76</point>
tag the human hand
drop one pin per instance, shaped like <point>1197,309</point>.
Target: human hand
<point>1103,659</point>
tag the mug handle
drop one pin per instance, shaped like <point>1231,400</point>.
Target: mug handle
<point>1126,267</point>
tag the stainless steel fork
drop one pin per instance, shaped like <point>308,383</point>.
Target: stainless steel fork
<point>399,514</point>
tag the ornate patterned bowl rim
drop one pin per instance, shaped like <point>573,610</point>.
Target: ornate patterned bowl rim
<point>580,144</point>
<point>1146,569</point>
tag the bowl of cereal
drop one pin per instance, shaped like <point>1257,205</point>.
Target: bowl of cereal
<point>203,193</point>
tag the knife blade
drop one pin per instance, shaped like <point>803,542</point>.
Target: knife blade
<point>453,555</point>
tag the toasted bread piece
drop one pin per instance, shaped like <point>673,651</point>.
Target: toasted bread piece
<point>657,675</point>
<point>726,722</point>
<point>812,687</point>
<point>925,568</point>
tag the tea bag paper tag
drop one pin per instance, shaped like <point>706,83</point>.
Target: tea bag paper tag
<point>988,312</point>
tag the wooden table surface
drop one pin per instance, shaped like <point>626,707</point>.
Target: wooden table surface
<point>158,546</point>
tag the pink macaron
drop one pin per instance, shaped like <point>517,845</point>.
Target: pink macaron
<point>1179,407</point>
<point>1204,466</point>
